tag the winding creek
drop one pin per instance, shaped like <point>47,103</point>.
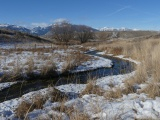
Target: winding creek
<point>119,67</point>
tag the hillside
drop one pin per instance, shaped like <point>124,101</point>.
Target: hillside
<point>14,27</point>
<point>133,34</point>
<point>104,35</point>
<point>10,36</point>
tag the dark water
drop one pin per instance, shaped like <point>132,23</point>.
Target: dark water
<point>119,67</point>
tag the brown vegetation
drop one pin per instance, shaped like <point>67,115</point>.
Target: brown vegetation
<point>72,113</point>
<point>92,88</point>
<point>62,31</point>
<point>25,107</point>
<point>144,51</point>
<point>73,60</point>
<point>10,36</point>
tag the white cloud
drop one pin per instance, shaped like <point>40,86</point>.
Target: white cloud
<point>59,20</point>
<point>43,24</point>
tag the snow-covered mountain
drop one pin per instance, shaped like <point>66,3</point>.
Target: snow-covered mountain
<point>36,30</point>
<point>41,30</point>
<point>14,27</point>
<point>116,29</point>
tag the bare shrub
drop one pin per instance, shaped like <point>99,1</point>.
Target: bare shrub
<point>62,31</point>
<point>84,33</point>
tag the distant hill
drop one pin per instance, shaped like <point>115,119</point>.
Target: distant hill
<point>106,35</point>
<point>47,30</point>
<point>24,32</point>
<point>134,34</point>
<point>116,29</point>
<point>14,27</point>
<point>10,36</point>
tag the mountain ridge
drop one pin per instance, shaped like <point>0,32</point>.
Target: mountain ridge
<point>39,31</point>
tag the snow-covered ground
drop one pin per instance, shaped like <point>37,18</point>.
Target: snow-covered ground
<point>116,81</point>
<point>7,108</point>
<point>129,59</point>
<point>128,107</point>
<point>119,56</point>
<point>10,61</point>
<point>131,106</point>
<point>6,85</point>
<point>24,46</point>
<point>76,88</point>
<point>37,60</point>
<point>94,63</point>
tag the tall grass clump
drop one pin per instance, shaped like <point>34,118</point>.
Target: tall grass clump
<point>147,53</point>
<point>92,88</point>
<point>25,106</point>
<point>16,74</point>
<point>74,59</point>
<point>48,70</point>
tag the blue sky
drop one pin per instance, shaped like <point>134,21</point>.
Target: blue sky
<point>140,14</point>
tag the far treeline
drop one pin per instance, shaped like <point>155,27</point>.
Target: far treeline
<point>64,31</point>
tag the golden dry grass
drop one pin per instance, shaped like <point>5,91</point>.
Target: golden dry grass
<point>48,69</point>
<point>113,94</point>
<point>73,60</point>
<point>92,88</point>
<point>25,107</point>
<point>153,90</point>
<point>56,96</point>
<point>71,112</point>
<point>145,51</point>
<point>38,101</point>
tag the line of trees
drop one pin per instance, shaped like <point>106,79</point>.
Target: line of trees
<point>64,31</point>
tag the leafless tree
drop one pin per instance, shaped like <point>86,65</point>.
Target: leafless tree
<point>84,33</point>
<point>62,31</point>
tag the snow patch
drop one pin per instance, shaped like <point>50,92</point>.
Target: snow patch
<point>96,62</point>
<point>6,85</point>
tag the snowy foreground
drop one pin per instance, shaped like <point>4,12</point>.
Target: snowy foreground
<point>130,107</point>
